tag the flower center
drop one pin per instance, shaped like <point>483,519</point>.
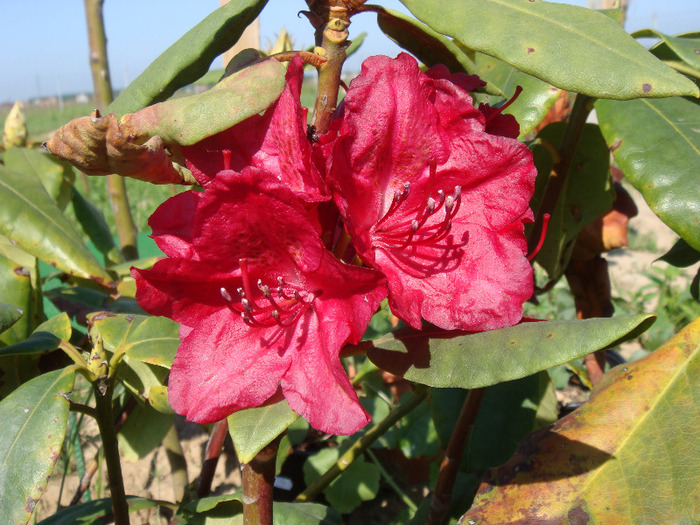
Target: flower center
<point>425,223</point>
<point>264,305</point>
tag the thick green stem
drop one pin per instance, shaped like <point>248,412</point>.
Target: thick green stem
<point>105,422</point>
<point>116,188</point>
<point>258,483</point>
<point>557,179</point>
<point>440,503</point>
<point>359,447</point>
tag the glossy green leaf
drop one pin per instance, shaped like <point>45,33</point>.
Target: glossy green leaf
<point>687,49</point>
<point>681,255</point>
<point>359,481</point>
<point>284,513</point>
<point>9,315</point>
<point>143,431</point>
<point>94,224</point>
<point>34,421</point>
<point>427,45</point>
<point>254,428</point>
<point>92,512</point>
<point>189,58</point>
<point>567,46</point>
<point>139,378</point>
<point>532,104</point>
<point>16,289</point>
<point>158,399</point>
<point>415,434</point>
<point>226,509</point>
<point>153,340</point>
<point>45,338</point>
<point>56,176</point>
<point>232,100</point>
<point>30,218</point>
<point>657,145</point>
<point>445,359</point>
<point>588,192</point>
<point>628,455</point>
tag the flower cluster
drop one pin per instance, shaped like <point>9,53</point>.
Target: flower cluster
<point>431,192</point>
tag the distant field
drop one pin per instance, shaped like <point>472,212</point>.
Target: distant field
<point>41,121</point>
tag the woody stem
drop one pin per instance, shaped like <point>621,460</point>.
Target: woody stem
<point>258,482</point>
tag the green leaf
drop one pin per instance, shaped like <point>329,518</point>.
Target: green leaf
<point>428,46</point>
<point>687,49</point>
<point>359,481</point>
<point>158,399</point>
<point>30,218</point>
<point>507,414</point>
<point>567,46</point>
<point>532,104</point>
<point>657,145</point>
<point>415,434</point>
<point>16,289</point>
<point>143,431</point>
<point>681,255</point>
<point>189,58</point>
<point>254,428</point>
<point>34,421</point>
<point>57,177</point>
<point>226,509</point>
<point>234,99</point>
<point>45,338</point>
<point>9,315</point>
<point>153,340</point>
<point>140,378</point>
<point>445,359</point>
<point>304,514</point>
<point>628,455</point>
<point>588,192</point>
<point>91,512</point>
<point>93,223</point>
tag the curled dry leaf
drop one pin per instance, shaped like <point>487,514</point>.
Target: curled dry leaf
<point>99,146</point>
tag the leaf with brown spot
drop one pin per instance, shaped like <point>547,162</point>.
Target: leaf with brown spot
<point>34,421</point>
<point>629,455</point>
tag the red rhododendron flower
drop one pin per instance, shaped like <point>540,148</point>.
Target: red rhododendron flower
<point>431,198</point>
<point>275,141</point>
<point>264,306</point>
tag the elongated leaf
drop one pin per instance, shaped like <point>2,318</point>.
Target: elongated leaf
<point>188,58</point>
<point>143,431</point>
<point>687,49</point>
<point>45,338</point>
<point>30,218</point>
<point>657,145</point>
<point>427,45</point>
<point>533,103</point>
<point>152,340</point>
<point>92,511</point>
<point>34,421</point>
<point>568,46</point>
<point>93,223</point>
<point>234,99</point>
<point>158,399</point>
<point>629,455</point>
<point>487,358</point>
<point>681,255</point>
<point>588,192</point>
<point>55,176</point>
<point>254,428</point>
<point>9,315</point>
<point>16,289</point>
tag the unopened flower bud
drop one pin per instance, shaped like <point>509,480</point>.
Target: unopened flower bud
<point>15,132</point>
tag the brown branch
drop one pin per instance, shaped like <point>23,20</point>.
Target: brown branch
<point>440,503</point>
<point>258,483</point>
<point>212,453</point>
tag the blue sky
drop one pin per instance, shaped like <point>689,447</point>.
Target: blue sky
<point>44,42</point>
